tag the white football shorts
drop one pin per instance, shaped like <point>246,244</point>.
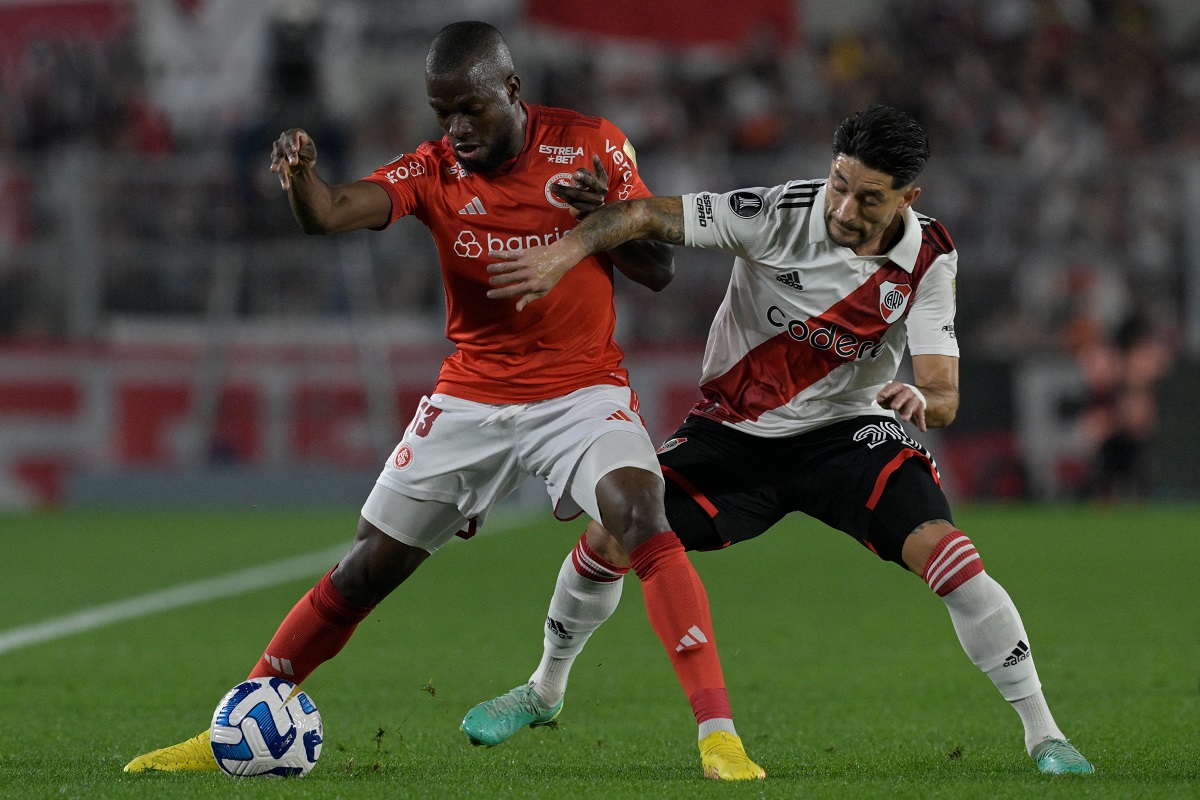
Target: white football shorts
<point>459,458</point>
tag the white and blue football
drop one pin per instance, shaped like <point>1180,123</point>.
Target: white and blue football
<point>266,726</point>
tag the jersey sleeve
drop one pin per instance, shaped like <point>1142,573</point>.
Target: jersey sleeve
<point>931,317</point>
<point>745,223</point>
<point>405,178</point>
<point>620,161</point>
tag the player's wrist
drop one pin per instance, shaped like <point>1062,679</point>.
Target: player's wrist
<point>920,396</point>
<point>573,250</point>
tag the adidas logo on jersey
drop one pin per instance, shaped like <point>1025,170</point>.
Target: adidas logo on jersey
<point>791,279</point>
<point>1019,654</point>
<point>693,638</point>
<point>473,207</point>
<point>621,415</point>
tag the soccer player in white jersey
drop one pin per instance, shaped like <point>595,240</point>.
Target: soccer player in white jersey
<point>831,280</point>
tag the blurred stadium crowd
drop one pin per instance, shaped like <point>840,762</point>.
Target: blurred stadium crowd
<point>134,143</point>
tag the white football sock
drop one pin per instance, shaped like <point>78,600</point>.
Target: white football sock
<point>585,595</point>
<point>990,631</point>
<point>1037,719</point>
<point>994,638</point>
<point>717,724</point>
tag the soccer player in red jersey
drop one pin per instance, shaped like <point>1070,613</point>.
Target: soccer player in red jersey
<point>539,392</point>
<point>832,279</point>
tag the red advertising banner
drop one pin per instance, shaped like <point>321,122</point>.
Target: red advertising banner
<point>22,23</point>
<point>672,22</point>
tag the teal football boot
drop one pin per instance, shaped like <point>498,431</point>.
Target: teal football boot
<point>495,721</point>
<point>1059,757</point>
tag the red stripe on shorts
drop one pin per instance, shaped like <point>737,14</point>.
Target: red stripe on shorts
<point>893,465</point>
<point>691,489</point>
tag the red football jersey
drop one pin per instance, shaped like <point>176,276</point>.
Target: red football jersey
<point>560,343</point>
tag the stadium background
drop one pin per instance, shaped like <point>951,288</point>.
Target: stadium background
<point>168,336</point>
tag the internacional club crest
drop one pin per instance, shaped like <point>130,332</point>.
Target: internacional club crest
<point>565,179</point>
<point>893,300</point>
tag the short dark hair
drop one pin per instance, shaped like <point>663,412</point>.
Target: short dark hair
<point>474,46</point>
<point>884,139</point>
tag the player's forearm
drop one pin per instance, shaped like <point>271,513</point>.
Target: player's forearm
<point>645,261</point>
<point>941,403</point>
<point>311,201</point>
<point>613,224</point>
<point>936,377</point>
<point>324,209</point>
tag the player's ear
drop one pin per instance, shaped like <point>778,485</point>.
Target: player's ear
<point>910,196</point>
<point>513,85</point>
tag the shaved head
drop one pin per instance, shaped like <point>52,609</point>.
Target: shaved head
<point>475,94</point>
<point>472,49</point>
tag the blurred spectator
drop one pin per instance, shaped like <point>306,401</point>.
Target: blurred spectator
<point>293,97</point>
<point>1119,416</point>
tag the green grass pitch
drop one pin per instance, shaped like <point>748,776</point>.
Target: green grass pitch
<point>846,678</point>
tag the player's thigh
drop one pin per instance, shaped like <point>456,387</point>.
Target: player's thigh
<point>606,491</point>
<point>721,485</point>
<point>866,477</point>
<point>911,498</point>
<point>426,524</point>
<point>573,441</point>
<point>455,453</point>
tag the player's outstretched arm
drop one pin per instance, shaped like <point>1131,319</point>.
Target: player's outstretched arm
<point>932,400</point>
<point>317,206</point>
<point>531,274</point>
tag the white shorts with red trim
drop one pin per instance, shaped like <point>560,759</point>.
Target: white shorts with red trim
<point>465,457</point>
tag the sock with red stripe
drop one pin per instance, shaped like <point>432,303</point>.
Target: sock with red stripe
<point>585,595</point>
<point>678,609</point>
<point>314,631</point>
<point>990,630</point>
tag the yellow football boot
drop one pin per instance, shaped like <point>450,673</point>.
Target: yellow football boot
<point>194,755</point>
<point>724,759</point>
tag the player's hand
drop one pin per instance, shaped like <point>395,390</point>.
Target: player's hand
<point>586,191</point>
<point>905,400</point>
<point>291,153</point>
<point>530,274</point>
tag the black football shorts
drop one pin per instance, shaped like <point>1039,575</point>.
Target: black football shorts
<point>864,476</point>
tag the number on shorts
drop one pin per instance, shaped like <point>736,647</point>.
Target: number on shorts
<point>423,421</point>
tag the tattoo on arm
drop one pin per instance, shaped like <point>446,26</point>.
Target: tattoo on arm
<point>658,218</point>
<point>673,233</point>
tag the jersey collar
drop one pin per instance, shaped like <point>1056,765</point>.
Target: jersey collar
<point>521,162</point>
<point>903,254</point>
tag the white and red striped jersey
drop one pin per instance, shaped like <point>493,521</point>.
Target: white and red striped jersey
<point>809,332</point>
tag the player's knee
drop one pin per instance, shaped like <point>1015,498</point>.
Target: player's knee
<point>605,545</point>
<point>631,505</point>
<point>919,544</point>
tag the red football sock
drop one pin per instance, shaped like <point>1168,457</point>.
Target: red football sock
<point>314,631</point>
<point>678,609</point>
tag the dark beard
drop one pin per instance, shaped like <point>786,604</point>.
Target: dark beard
<point>497,154</point>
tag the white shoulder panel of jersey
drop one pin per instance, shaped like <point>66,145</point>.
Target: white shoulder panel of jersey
<point>751,223</point>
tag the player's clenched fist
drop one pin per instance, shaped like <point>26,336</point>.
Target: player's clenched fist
<point>292,152</point>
